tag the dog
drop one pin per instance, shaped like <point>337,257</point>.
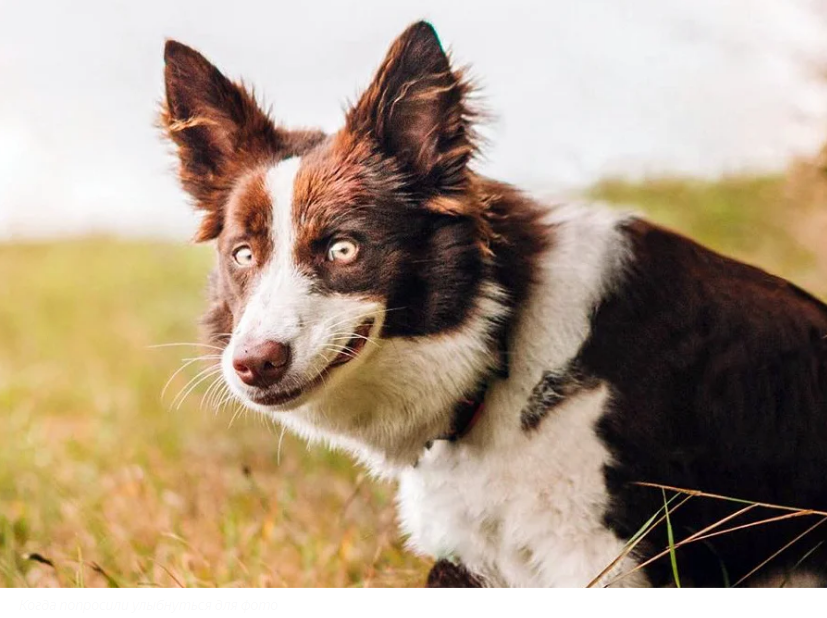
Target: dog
<point>542,381</point>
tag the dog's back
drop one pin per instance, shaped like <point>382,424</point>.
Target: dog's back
<point>719,378</point>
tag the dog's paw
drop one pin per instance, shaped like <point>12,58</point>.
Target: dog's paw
<point>446,574</point>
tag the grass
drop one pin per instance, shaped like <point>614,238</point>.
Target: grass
<point>102,484</point>
<point>673,558</point>
<point>774,222</point>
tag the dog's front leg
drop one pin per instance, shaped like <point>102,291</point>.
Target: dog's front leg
<point>446,574</point>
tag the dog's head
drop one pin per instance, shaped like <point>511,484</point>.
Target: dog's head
<point>330,245</point>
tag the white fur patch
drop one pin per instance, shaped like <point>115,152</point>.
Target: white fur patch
<point>527,511</point>
<point>274,309</point>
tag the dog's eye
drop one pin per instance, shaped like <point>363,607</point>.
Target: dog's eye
<point>342,251</point>
<point>243,256</point>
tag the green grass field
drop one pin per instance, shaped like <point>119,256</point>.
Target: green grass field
<point>103,482</point>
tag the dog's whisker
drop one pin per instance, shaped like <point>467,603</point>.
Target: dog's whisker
<point>344,350</point>
<point>194,386</point>
<point>204,357</point>
<point>336,346</point>
<point>237,411</point>
<point>208,393</point>
<point>370,340</point>
<point>267,422</point>
<point>195,381</point>
<point>278,449</point>
<point>206,370</point>
<point>326,362</point>
<point>175,373</point>
<point>357,317</point>
<point>182,343</point>
<point>223,391</point>
<point>229,397</point>
<point>347,340</point>
<point>350,319</point>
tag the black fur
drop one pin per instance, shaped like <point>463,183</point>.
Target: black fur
<point>446,574</point>
<point>552,390</point>
<point>718,377</point>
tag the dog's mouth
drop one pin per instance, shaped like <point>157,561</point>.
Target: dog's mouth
<point>346,354</point>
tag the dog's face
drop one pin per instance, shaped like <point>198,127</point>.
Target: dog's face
<point>330,245</point>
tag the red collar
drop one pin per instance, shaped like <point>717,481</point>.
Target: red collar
<point>466,414</point>
<point>469,410</point>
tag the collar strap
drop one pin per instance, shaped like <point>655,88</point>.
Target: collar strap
<point>469,410</point>
<point>466,414</point>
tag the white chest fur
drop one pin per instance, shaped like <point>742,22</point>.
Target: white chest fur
<point>527,513</point>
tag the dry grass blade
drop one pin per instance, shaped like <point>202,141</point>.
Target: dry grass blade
<point>780,551</point>
<point>653,522</point>
<point>708,533</point>
<point>687,540</point>
<point>168,572</point>
<point>799,562</point>
<point>111,581</point>
<point>703,494</point>
<point>357,487</point>
<point>759,522</point>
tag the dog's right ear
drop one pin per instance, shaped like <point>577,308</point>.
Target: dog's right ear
<point>217,126</point>
<point>416,110</point>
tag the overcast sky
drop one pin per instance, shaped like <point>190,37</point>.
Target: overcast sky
<point>579,90</point>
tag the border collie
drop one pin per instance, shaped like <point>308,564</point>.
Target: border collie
<point>522,370</point>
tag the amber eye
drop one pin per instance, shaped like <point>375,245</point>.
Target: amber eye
<point>342,251</point>
<point>243,256</point>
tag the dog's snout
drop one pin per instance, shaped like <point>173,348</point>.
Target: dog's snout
<point>262,364</point>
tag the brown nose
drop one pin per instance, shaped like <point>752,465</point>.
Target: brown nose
<point>261,364</point>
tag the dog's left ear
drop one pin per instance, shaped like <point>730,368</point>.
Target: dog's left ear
<point>218,129</point>
<point>415,111</point>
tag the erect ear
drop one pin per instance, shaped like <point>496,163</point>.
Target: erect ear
<point>217,126</point>
<point>416,111</point>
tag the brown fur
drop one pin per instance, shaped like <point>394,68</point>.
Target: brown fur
<point>248,221</point>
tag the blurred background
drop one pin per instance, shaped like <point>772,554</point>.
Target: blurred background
<point>708,115</point>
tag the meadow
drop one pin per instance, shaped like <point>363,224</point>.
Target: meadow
<point>105,482</point>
